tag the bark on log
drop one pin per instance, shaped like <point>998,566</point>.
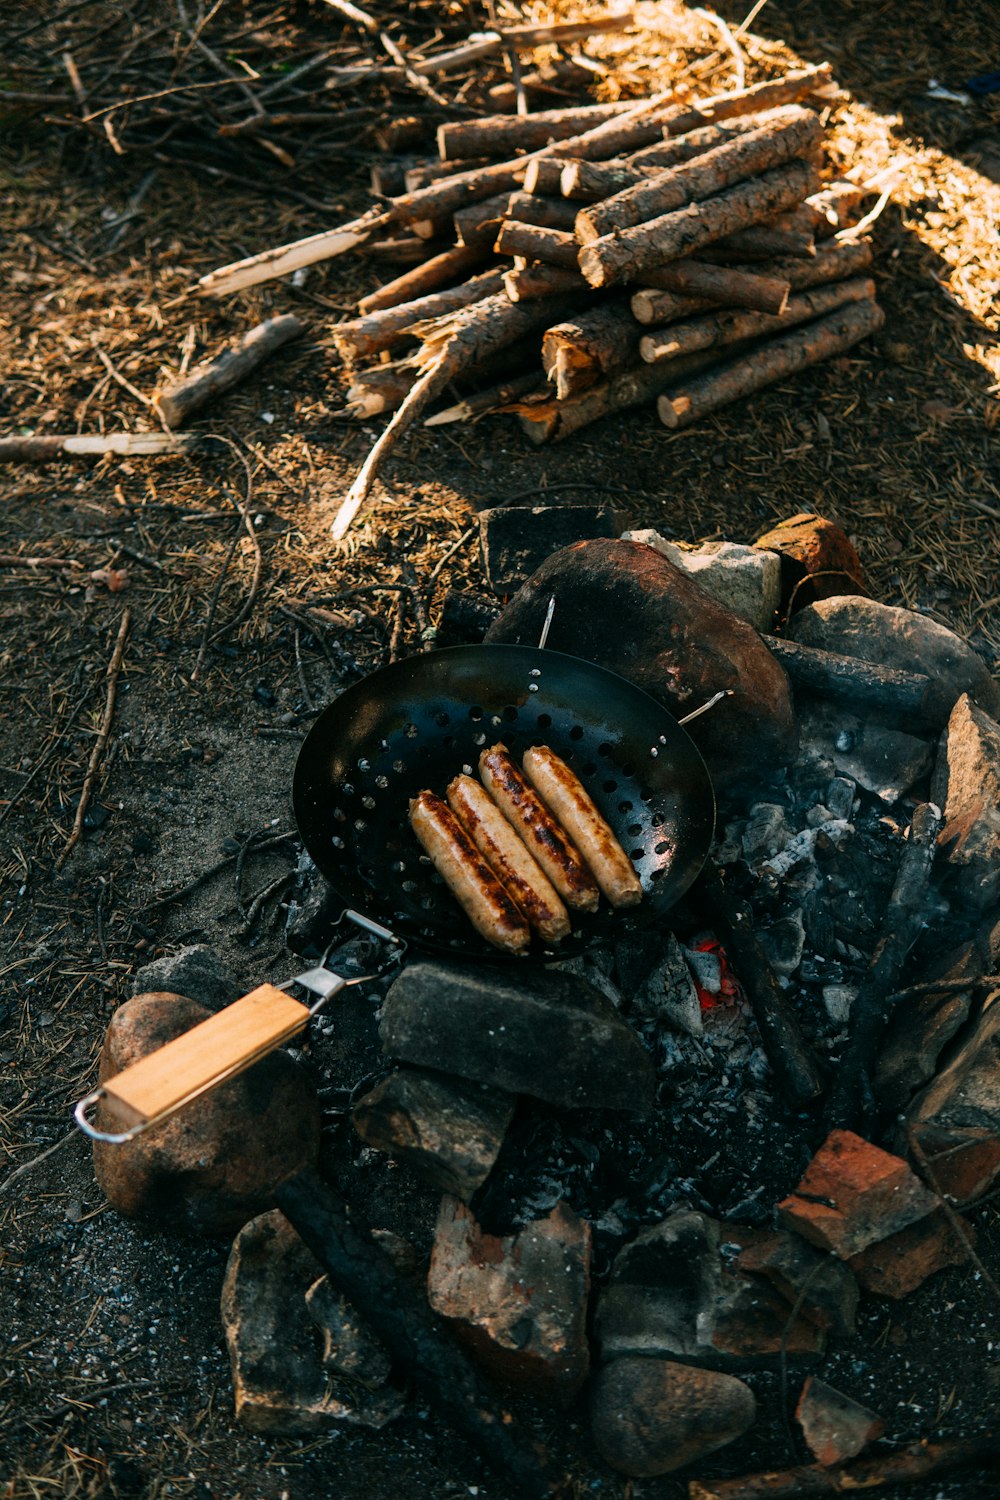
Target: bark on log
<point>441,271</point>
<point>797,84</point>
<point>782,140</point>
<point>851,1105</point>
<point>904,1466</point>
<point>536,279</point>
<point>773,361</point>
<point>503,135</point>
<point>362,337</point>
<point>720,329</point>
<point>412,1332</point>
<point>832,262</point>
<point>589,347</point>
<point>51,446</point>
<point>177,401</point>
<point>433,171</point>
<point>724,286</point>
<point>549,421</point>
<point>476,225</point>
<point>405,250</point>
<point>544,176</point>
<point>591,181</point>
<point>382,388</point>
<point>624,256</point>
<point>554,247</point>
<point>866,685</point>
<point>655,309</point>
<point>761,242</point>
<point>494,398</point>
<point>546,213</point>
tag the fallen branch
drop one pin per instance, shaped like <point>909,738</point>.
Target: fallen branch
<point>284,259</point>
<point>720,329</point>
<point>772,361</point>
<point>177,401</point>
<point>553,247</point>
<point>440,271</point>
<point>360,338</point>
<point>44,449</point>
<point>903,1466</point>
<point>101,743</point>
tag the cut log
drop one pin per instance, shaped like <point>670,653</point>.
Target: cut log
<point>433,171</point>
<point>720,329</point>
<point>50,446</point>
<point>441,271</point>
<point>382,388</point>
<point>655,309</point>
<point>177,401</point>
<point>360,338</point>
<point>794,135</point>
<point>546,213</point>
<point>832,262</point>
<point>725,286</point>
<point>773,361</point>
<point>589,347</point>
<point>503,135</point>
<point>761,242</point>
<point>477,224</point>
<point>549,421</point>
<point>794,86</point>
<point>865,685</point>
<point>482,403</point>
<point>591,181</point>
<point>624,256</point>
<point>554,247</point>
<point>543,176</point>
<point>535,279</point>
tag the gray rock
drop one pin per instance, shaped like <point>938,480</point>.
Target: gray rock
<point>507,1030</point>
<point>966,786</point>
<point>894,637</point>
<point>884,761</point>
<point>197,972</point>
<point>746,580</point>
<point>519,1302</point>
<point>280,1381</point>
<point>448,1131</point>
<point>651,1416</point>
<point>516,540</point>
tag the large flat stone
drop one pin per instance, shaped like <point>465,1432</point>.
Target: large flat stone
<point>550,1035</point>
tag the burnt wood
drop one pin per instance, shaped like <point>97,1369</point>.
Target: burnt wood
<point>888,690</point>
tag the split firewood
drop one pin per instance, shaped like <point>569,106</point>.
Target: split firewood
<point>555,247</point>
<point>360,338</point>
<point>476,225</point>
<point>382,388</point>
<point>720,329</point>
<point>773,361</point>
<point>440,271</point>
<point>535,279</point>
<point>625,255</point>
<point>177,401</point>
<point>494,398</point>
<point>591,181</point>
<point>907,1466</point>
<point>284,259</point>
<point>551,420</point>
<point>792,135</point>
<point>725,286</point>
<point>582,350</point>
<point>545,212</point>
<point>503,135</point>
<point>451,344</point>
<point>761,242</point>
<point>50,446</point>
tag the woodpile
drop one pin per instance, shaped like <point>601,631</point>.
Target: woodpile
<point>682,254</point>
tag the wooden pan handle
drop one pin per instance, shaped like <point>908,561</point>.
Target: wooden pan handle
<point>226,1044</point>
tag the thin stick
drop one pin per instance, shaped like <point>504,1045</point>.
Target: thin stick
<point>730,41</point>
<point>26,1166</point>
<point>100,744</point>
<point>902,1466</point>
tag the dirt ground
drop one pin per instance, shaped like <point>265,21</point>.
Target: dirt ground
<point>113,1374</point>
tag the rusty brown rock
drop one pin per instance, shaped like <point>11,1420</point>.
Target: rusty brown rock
<point>651,1416</point>
<point>626,607</point>
<point>896,1266</point>
<point>218,1161</point>
<point>835,1427</point>
<point>818,560</point>
<point>852,1195</point>
<point>519,1302</point>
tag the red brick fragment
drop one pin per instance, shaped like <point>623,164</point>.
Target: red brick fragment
<point>854,1194</point>
<point>896,1266</point>
<point>835,1427</point>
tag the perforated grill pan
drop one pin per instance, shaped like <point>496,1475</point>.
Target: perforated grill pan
<point>418,723</point>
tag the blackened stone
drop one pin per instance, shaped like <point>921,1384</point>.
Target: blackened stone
<point>197,972</point>
<point>956,1119</point>
<point>966,785</point>
<point>546,1034</point>
<point>661,1283</point>
<point>465,618</point>
<point>627,608</point>
<point>651,1416</point>
<point>515,541</point>
<point>920,1027</point>
<point>350,1348</point>
<point>885,761</point>
<point>822,1287</point>
<point>450,1132</point>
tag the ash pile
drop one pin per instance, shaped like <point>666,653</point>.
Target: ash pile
<point>656,1176</point>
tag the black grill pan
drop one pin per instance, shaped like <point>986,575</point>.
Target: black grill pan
<point>421,721</point>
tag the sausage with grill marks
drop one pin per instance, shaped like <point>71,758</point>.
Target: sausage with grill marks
<point>534,824</point>
<point>509,858</point>
<point>467,875</point>
<point>567,800</point>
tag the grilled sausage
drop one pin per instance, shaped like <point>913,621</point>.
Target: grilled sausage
<point>509,859</point>
<point>568,802</point>
<point>532,821</point>
<point>467,875</point>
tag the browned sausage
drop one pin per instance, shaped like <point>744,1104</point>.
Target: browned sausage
<point>509,859</point>
<point>568,802</point>
<point>467,875</point>
<point>533,822</point>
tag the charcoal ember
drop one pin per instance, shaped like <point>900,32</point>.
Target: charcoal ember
<point>652,1416</point>
<point>312,912</point>
<point>783,942</point>
<point>742,579</point>
<point>349,1347</point>
<point>670,638</point>
<point>838,999</point>
<point>515,540</point>
<point>766,831</point>
<point>893,637</point>
<point>450,1132</point>
<point>281,1383</point>
<point>834,1426</point>
<point>818,560</point>
<point>196,971</point>
<point>956,1118</point>
<point>485,1025</point>
<point>887,762</point>
<point>518,1302</point>
<point>823,1288</point>
<point>966,786</point>
<point>668,997</point>
<point>216,1163</point>
<point>896,1266</point>
<point>854,1194</point>
<point>921,1026</point>
<point>465,618</point>
<point>841,797</point>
